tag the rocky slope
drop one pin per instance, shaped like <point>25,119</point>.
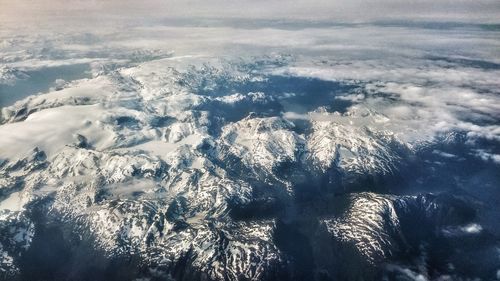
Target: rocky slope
<point>173,171</point>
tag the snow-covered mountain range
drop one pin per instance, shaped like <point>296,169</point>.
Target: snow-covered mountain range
<point>150,165</point>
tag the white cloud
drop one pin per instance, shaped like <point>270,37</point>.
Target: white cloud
<point>487,156</point>
<point>97,12</point>
<point>435,76</point>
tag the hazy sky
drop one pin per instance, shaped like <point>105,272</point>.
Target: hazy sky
<point>336,10</point>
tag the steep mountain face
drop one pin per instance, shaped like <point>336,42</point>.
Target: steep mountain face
<point>171,170</point>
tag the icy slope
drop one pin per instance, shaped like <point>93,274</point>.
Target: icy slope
<point>208,171</point>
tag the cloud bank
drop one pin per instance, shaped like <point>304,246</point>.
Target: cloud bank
<point>97,12</point>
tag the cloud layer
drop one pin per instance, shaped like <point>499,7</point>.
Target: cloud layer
<point>88,12</point>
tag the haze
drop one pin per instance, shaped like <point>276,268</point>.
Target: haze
<point>79,12</point>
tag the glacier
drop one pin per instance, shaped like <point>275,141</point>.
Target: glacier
<point>311,157</point>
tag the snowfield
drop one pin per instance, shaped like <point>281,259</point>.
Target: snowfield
<point>328,152</point>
